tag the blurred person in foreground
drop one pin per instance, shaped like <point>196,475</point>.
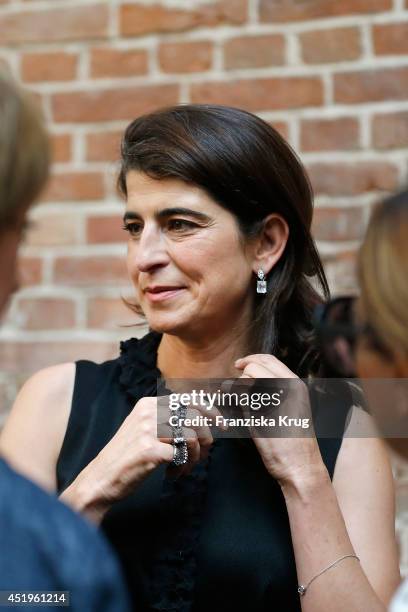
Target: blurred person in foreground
<point>44,545</point>
<point>368,336</point>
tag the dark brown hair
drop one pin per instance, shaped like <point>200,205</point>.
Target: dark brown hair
<point>249,169</point>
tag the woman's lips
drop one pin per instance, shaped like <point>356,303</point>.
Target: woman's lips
<point>159,296</point>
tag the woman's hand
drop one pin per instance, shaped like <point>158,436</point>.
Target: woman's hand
<point>132,454</point>
<point>329,520</point>
<point>287,458</point>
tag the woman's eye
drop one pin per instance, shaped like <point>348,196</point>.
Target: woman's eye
<point>132,228</point>
<point>175,225</point>
<point>180,224</point>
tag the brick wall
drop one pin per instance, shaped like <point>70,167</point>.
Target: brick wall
<point>331,75</point>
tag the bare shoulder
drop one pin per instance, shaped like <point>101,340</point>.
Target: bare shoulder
<point>363,455</point>
<point>53,382</point>
<point>35,428</point>
<point>364,486</point>
<point>363,478</point>
<point>361,448</point>
<point>44,393</point>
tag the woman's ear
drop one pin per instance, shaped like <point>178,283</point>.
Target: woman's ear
<point>271,243</point>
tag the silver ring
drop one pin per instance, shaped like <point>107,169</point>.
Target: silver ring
<point>180,448</point>
<point>180,452</point>
<point>181,411</point>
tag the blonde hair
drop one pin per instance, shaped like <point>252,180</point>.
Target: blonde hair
<point>24,151</point>
<point>383,273</point>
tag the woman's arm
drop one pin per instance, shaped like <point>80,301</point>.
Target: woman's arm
<point>34,432</point>
<point>353,515</point>
<point>32,436</point>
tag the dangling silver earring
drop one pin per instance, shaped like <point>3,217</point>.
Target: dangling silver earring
<point>261,283</point>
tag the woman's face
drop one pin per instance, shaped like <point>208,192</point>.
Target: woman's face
<point>191,271</point>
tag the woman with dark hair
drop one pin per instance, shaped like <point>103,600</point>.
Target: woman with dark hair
<point>218,212</point>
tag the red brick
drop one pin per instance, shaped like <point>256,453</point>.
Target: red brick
<point>52,230</point>
<point>111,104</point>
<point>53,66</point>
<point>103,146</point>
<point>281,127</point>
<point>338,223</point>
<point>92,270</point>
<point>261,94</point>
<point>254,51</point>
<point>391,39</point>
<point>110,313</point>
<point>75,186</point>
<point>138,19</point>
<point>353,178</point>
<point>327,46</point>
<point>46,313</point>
<point>61,147</point>
<point>293,10</point>
<point>118,63</point>
<point>341,270</point>
<point>186,57</point>
<point>371,86</point>
<point>30,271</point>
<point>28,357</point>
<point>390,131</point>
<point>329,134</point>
<point>55,24</point>
<point>105,229</point>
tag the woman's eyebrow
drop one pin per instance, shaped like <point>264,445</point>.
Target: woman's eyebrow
<point>168,212</point>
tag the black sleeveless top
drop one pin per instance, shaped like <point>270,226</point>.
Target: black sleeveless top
<point>218,539</point>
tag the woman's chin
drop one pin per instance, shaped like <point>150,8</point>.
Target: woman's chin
<point>165,325</point>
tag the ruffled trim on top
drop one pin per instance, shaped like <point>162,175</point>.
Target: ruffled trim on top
<point>139,372</point>
<point>175,568</point>
<point>182,501</point>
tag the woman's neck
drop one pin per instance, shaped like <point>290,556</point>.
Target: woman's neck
<point>208,358</point>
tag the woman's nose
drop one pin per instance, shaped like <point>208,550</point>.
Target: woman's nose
<point>150,251</point>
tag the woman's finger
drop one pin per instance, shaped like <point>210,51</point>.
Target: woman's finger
<point>167,451</point>
<point>203,432</point>
<point>256,370</point>
<point>274,365</point>
<point>193,445</point>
